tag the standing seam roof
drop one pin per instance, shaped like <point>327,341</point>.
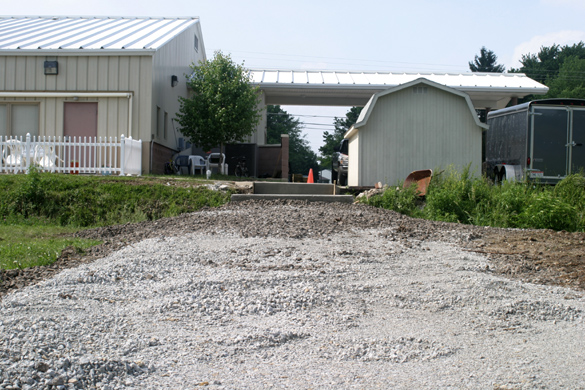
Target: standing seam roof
<point>89,33</point>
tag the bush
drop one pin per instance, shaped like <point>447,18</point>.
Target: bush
<point>459,197</point>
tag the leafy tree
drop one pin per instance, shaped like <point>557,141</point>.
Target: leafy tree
<point>546,67</point>
<point>570,81</point>
<point>224,105</point>
<point>301,157</point>
<point>486,62</point>
<point>333,139</point>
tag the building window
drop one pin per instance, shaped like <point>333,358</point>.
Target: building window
<point>419,89</point>
<point>166,125</point>
<point>158,122</point>
<point>19,119</point>
<point>196,44</point>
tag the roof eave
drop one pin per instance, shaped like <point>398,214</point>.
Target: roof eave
<point>77,52</point>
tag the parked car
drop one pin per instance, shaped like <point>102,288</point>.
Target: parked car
<point>340,163</point>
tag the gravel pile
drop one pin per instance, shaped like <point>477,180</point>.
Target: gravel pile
<point>291,295</point>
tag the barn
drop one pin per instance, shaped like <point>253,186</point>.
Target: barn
<point>97,76</point>
<point>417,125</point>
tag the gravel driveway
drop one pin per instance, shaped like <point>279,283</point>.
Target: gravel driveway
<point>292,295</point>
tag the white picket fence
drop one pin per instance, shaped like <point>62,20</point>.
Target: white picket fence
<point>90,155</point>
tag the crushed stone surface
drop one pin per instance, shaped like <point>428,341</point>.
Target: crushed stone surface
<point>291,295</point>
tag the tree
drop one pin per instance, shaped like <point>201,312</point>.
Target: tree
<point>332,140</point>
<point>301,157</point>
<point>486,62</point>
<point>546,67</point>
<point>224,105</point>
<point>570,81</point>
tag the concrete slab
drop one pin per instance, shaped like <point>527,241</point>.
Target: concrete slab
<point>294,188</point>
<point>306,197</point>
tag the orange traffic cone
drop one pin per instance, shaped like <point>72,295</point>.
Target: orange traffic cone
<point>310,179</point>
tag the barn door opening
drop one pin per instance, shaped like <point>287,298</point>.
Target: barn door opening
<point>80,120</point>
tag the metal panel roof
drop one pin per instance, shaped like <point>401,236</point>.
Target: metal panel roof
<point>84,33</point>
<point>343,88</point>
<point>460,81</point>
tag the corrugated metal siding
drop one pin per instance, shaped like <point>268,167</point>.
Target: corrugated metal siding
<point>89,33</point>
<point>408,131</point>
<point>85,74</point>
<point>173,59</point>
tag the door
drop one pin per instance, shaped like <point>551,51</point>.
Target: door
<point>577,144</point>
<point>80,120</point>
<point>550,134</point>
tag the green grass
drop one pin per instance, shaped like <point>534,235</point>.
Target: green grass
<point>459,197</point>
<point>25,246</point>
<point>40,211</point>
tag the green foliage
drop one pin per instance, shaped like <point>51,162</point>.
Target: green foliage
<point>459,197</point>
<point>570,82</point>
<point>332,140</point>
<point>402,200</point>
<point>301,157</point>
<point>559,68</point>
<point>72,200</point>
<point>486,62</point>
<point>224,105</point>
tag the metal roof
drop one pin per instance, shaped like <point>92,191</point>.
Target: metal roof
<point>460,81</point>
<point>355,88</point>
<point>84,33</point>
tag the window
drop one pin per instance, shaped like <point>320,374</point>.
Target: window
<point>166,125</point>
<point>19,119</point>
<point>196,44</point>
<point>419,89</point>
<point>158,122</point>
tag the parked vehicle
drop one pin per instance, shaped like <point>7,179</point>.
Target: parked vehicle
<point>340,163</point>
<point>540,140</point>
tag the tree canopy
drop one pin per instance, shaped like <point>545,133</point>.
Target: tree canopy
<point>332,140</point>
<point>301,157</point>
<point>224,105</point>
<point>558,67</point>
<point>486,62</point>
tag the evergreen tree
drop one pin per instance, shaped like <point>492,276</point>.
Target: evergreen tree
<point>486,62</point>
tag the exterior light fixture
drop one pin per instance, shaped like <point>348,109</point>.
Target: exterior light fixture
<point>174,81</point>
<point>51,68</point>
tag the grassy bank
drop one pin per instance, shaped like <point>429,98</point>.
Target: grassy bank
<point>40,211</point>
<point>459,197</point>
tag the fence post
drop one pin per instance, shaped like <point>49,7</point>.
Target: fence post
<point>122,157</point>
<point>27,153</point>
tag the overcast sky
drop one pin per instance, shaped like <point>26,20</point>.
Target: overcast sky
<point>366,35</point>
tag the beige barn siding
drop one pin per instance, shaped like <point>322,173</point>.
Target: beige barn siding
<point>408,131</point>
<point>86,74</point>
<point>173,58</point>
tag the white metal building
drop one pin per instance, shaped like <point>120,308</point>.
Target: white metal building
<point>97,76</point>
<point>420,124</point>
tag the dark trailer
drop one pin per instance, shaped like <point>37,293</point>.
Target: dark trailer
<point>540,140</point>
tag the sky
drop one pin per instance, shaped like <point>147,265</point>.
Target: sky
<point>392,36</point>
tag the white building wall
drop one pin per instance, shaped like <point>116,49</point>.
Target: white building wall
<point>174,58</point>
<point>354,160</point>
<point>408,131</point>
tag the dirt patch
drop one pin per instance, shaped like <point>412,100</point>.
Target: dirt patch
<point>537,256</point>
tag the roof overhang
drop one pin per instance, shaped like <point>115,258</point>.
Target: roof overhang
<point>331,88</point>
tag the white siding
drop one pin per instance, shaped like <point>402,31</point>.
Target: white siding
<point>354,160</point>
<point>408,131</point>
<point>173,58</point>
